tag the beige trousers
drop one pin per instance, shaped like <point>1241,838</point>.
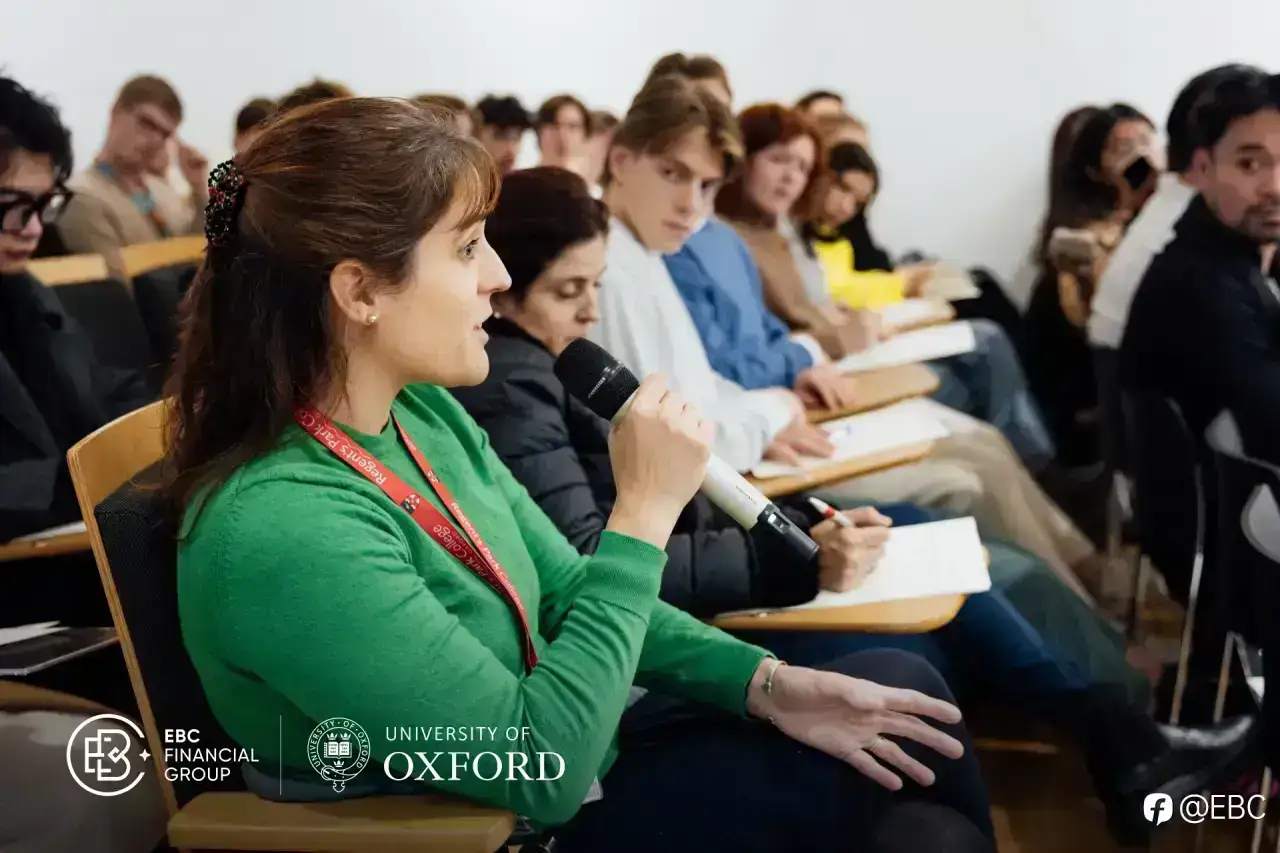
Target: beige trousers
<point>974,471</point>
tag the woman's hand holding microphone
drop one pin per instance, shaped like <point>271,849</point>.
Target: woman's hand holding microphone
<point>659,451</point>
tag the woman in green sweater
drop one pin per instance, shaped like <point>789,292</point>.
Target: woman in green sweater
<point>351,548</point>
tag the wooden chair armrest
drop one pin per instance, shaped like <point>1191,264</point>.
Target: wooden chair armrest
<point>775,487</point>
<point>873,389</point>
<point>904,616</point>
<point>144,257</point>
<point>69,543</point>
<point>245,821</point>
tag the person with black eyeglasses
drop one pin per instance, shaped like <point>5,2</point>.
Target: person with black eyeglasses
<point>53,392</point>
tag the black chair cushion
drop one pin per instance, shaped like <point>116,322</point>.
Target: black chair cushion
<point>158,294</point>
<point>140,544</point>
<point>107,313</point>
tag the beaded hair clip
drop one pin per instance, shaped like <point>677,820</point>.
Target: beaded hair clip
<point>226,196</point>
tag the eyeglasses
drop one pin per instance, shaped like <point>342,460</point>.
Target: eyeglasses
<point>18,207</point>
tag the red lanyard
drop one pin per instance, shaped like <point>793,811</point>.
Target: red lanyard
<point>477,557</point>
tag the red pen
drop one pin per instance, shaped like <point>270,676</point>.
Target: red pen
<point>830,512</point>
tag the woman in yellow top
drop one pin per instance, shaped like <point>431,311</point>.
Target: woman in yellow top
<point>847,184</point>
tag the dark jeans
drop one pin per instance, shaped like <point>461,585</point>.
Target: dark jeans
<point>697,780</point>
<point>990,650</point>
<point>992,304</point>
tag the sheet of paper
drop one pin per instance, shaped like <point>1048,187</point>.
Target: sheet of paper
<point>913,312</point>
<point>950,283</point>
<point>939,558</point>
<point>19,633</point>
<point>907,422</point>
<point>60,530</point>
<point>913,347</point>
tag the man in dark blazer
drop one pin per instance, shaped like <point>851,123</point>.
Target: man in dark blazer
<point>1204,328</point>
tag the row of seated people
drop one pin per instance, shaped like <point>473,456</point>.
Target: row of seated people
<point>1181,304</point>
<point>146,184</point>
<point>1135,262</point>
<point>679,293</point>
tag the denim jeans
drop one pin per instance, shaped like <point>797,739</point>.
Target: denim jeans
<point>1076,679</point>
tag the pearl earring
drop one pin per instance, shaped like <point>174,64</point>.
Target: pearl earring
<point>371,319</point>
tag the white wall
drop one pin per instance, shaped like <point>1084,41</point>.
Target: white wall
<point>961,95</point>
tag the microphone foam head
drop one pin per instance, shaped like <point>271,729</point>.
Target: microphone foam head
<point>595,378</point>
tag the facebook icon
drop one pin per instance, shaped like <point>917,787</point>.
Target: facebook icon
<point>1157,808</point>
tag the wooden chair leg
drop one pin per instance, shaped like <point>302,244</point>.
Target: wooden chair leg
<point>1224,677</point>
<point>1265,791</point>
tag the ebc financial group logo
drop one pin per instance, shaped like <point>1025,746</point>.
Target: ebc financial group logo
<point>107,755</point>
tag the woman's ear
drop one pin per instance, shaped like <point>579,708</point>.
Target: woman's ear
<point>349,285</point>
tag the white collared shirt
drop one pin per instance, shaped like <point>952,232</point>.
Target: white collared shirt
<point>644,323</point>
<point>1146,237</point>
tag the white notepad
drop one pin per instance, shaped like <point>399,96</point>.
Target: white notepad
<point>60,530</point>
<point>912,348</point>
<point>18,633</point>
<point>950,283</point>
<point>913,312</point>
<point>938,558</point>
<point>907,422</point>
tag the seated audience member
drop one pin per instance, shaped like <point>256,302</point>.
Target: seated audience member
<point>551,234</point>
<point>52,393</point>
<point>52,390</point>
<point>861,173</point>
<point>701,69</point>
<point>603,124</point>
<point>1107,169</point>
<point>249,122</point>
<point>759,203</point>
<point>835,129</point>
<point>453,107</point>
<point>381,291</point>
<point>117,201</point>
<point>503,121</point>
<point>1204,327</point>
<point>668,158</point>
<point>1152,229</point>
<point>1063,136</point>
<point>563,125</point>
<point>843,185</point>
<point>313,93</point>
<point>820,102</point>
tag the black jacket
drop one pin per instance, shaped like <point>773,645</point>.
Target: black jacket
<point>1204,329</point>
<point>52,394</point>
<point>558,448</point>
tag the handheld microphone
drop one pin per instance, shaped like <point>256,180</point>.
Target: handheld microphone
<point>606,387</point>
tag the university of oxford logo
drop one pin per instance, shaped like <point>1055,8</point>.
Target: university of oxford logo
<point>338,750</point>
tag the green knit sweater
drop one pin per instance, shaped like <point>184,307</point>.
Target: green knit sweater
<point>304,594</point>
